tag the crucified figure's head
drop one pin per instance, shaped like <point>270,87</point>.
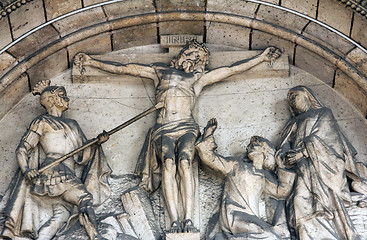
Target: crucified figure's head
<point>192,56</point>
<point>261,152</point>
<point>51,96</point>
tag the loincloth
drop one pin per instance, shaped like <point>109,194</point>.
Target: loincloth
<point>149,166</point>
<point>175,129</point>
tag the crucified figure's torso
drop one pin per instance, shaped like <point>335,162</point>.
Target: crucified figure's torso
<point>175,132</point>
<point>176,90</point>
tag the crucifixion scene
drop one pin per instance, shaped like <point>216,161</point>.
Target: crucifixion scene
<point>171,120</point>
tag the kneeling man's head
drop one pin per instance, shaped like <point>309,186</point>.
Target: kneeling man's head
<point>261,152</point>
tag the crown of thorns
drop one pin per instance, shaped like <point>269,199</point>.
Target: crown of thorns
<point>195,44</point>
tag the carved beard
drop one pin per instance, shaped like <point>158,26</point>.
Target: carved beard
<point>188,66</point>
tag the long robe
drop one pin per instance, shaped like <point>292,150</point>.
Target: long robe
<point>24,210</point>
<point>316,207</point>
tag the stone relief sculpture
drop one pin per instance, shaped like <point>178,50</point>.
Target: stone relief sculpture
<point>245,182</point>
<point>41,205</point>
<point>169,145</point>
<point>313,145</point>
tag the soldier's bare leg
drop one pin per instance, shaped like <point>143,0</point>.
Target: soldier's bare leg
<point>185,153</point>
<point>166,152</point>
<point>58,219</point>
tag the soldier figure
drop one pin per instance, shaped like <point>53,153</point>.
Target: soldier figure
<point>59,189</point>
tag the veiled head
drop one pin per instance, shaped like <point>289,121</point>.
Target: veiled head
<point>193,55</point>
<point>301,99</point>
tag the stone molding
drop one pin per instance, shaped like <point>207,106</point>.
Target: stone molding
<point>136,20</point>
<point>11,7</point>
<point>359,6</point>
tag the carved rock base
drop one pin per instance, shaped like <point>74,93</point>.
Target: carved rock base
<point>137,205</point>
<point>180,236</point>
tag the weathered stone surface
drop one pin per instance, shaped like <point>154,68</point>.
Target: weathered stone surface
<point>134,36</point>
<point>359,32</point>
<point>126,225</point>
<point>13,94</point>
<point>225,34</point>
<point>182,27</point>
<point>91,2</point>
<point>178,27</point>
<point>315,65</point>
<point>327,38</point>
<point>128,8</point>
<point>55,8</point>
<point>171,5</point>
<point>37,40</point>
<point>261,40</point>
<point>180,236</point>
<point>307,7</point>
<point>349,89</point>
<point>334,14</point>
<point>80,20</point>
<point>27,17</point>
<point>235,6</point>
<point>276,2</point>
<point>281,18</point>
<point>5,38</point>
<point>359,59</point>
<point>49,67</point>
<point>7,61</point>
<point>94,45</point>
<point>137,204</point>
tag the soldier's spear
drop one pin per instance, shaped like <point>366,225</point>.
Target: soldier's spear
<point>95,140</point>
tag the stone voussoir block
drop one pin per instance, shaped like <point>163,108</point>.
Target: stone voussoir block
<point>226,34</point>
<point>315,65</point>
<point>134,36</point>
<point>261,40</point>
<point>128,8</point>
<point>164,5</point>
<point>7,61</point>
<point>235,7</point>
<point>55,8</point>
<point>325,37</point>
<point>11,95</point>
<point>37,40</point>
<point>307,7</point>
<point>49,67</point>
<point>80,20</point>
<point>359,59</point>
<point>94,45</point>
<point>27,17</point>
<point>336,15</point>
<point>349,89</point>
<point>5,34</point>
<point>182,27</point>
<point>281,18</point>
<point>359,32</point>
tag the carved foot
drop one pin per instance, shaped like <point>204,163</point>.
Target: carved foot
<point>175,227</point>
<point>211,126</point>
<point>188,226</point>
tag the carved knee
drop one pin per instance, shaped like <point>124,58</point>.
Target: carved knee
<point>184,165</point>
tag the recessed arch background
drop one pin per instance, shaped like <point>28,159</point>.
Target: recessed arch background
<point>48,52</point>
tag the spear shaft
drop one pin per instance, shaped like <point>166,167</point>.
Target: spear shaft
<point>95,140</point>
